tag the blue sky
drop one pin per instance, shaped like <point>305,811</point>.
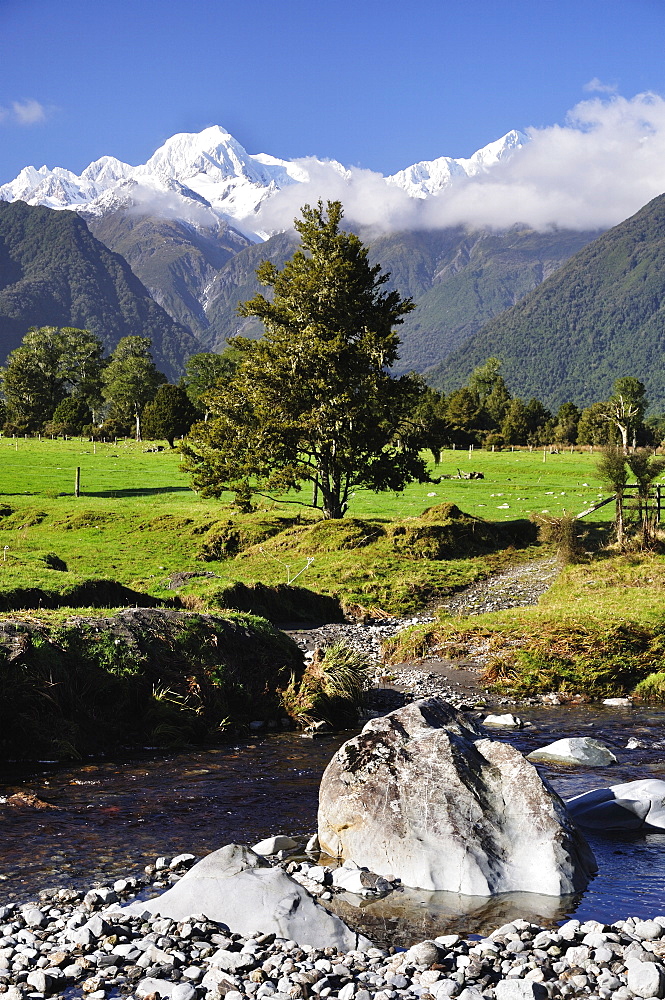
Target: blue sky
<point>372,84</point>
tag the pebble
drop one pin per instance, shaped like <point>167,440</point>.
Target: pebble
<point>115,954</point>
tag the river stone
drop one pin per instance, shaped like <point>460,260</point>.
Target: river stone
<point>417,795</point>
<point>520,989</point>
<point>236,887</point>
<point>576,750</point>
<point>507,721</point>
<point>646,979</point>
<point>630,806</point>
<point>274,844</point>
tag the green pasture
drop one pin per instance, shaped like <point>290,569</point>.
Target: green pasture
<point>137,521</point>
<point>516,483</point>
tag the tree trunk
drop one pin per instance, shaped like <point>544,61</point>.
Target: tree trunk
<point>138,426</point>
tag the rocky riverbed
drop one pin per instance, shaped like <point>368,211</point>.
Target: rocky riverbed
<point>457,681</point>
<point>69,943</point>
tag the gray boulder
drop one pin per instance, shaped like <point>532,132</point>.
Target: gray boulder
<point>575,750</point>
<point>630,806</point>
<point>234,886</point>
<point>418,796</point>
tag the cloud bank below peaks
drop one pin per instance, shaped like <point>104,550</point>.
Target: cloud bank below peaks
<point>602,165</point>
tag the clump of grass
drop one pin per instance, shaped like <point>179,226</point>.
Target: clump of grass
<point>566,533</point>
<point>332,688</point>
<point>651,689</point>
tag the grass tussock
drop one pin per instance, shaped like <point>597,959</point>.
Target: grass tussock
<point>651,690</point>
<point>332,689</point>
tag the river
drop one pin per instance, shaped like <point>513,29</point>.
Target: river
<point>114,816</point>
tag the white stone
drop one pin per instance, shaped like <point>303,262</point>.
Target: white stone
<point>236,887</point>
<point>630,806</point>
<point>575,750</point>
<point>418,795</point>
<point>507,721</point>
<point>618,702</point>
<point>519,989</point>
<point>646,979</point>
<point>162,986</point>
<point>275,844</point>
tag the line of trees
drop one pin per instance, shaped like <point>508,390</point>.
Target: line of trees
<point>484,413</point>
<point>58,382</point>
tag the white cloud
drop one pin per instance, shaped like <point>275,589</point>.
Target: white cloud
<point>26,112</point>
<point>604,163</point>
<point>598,87</point>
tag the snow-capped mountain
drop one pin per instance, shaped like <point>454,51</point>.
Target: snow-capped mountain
<point>207,176</point>
<point>430,176</point>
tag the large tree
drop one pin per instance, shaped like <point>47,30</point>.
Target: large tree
<point>131,379</point>
<point>312,400</point>
<point>51,364</point>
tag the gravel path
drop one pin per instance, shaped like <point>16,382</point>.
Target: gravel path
<point>519,586</point>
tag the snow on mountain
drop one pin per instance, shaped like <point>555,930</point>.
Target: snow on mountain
<point>202,177</point>
<point>421,180</point>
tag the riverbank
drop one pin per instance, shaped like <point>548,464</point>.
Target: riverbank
<point>65,940</point>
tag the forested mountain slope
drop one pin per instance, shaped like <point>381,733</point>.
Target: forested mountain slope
<point>53,272</point>
<point>599,317</point>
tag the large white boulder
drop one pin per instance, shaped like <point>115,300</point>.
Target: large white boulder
<point>418,796</point>
<point>234,886</point>
<point>574,750</point>
<point>630,806</point>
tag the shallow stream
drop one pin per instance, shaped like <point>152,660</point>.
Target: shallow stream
<point>116,816</point>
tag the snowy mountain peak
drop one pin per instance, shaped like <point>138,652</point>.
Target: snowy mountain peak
<point>210,172</point>
<point>427,178</point>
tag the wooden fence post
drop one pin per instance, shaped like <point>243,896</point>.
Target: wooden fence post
<point>77,482</point>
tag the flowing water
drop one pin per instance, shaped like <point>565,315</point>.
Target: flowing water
<point>116,816</point>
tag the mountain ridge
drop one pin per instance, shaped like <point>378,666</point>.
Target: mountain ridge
<point>53,272</point>
<point>597,318</point>
<point>207,176</point>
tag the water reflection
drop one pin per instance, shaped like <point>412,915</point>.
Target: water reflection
<point>410,915</point>
<point>114,817</point>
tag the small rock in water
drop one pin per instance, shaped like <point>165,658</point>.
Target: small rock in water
<point>507,721</point>
<point>575,750</point>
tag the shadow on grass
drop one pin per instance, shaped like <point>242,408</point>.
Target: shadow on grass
<point>140,492</point>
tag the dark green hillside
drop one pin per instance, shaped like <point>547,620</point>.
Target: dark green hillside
<point>53,272</point>
<point>460,279</point>
<point>601,316</point>
<point>237,282</point>
<point>174,260</point>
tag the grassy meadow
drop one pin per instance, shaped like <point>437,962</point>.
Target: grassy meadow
<point>599,630</point>
<point>137,521</point>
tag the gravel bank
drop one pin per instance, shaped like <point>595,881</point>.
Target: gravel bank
<point>520,586</point>
<point>67,943</point>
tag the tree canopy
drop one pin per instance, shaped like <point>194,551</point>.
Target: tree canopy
<point>131,379</point>
<point>51,364</point>
<point>312,400</point>
<point>169,415</point>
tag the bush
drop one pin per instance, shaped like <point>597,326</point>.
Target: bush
<point>566,533</point>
